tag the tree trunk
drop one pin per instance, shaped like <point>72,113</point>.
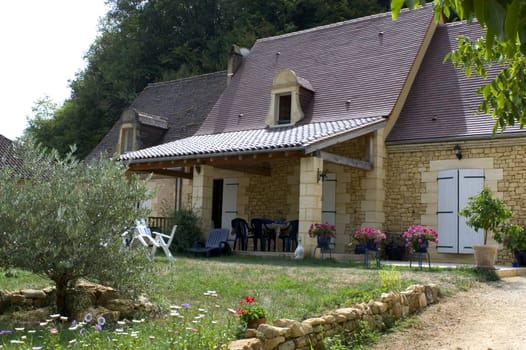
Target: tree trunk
<point>61,286</point>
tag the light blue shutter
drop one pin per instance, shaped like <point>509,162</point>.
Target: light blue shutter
<point>447,212</point>
<point>471,182</point>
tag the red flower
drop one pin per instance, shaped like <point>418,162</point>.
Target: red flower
<point>250,299</point>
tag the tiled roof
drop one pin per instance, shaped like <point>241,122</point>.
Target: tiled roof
<point>177,106</point>
<point>365,61</point>
<point>443,102</point>
<point>252,141</point>
<point>7,157</point>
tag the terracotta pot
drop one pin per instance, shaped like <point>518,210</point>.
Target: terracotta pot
<point>254,324</point>
<point>485,256</point>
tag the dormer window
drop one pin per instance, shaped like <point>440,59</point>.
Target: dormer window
<point>127,139</point>
<point>290,96</point>
<point>284,108</point>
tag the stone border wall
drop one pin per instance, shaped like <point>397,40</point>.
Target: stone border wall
<point>287,334</point>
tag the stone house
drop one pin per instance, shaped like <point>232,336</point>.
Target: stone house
<point>358,123</point>
<point>161,113</point>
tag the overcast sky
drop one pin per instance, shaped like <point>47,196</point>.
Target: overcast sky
<point>42,47</point>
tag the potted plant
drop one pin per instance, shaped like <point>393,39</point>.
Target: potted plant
<point>485,211</point>
<point>369,237</point>
<point>514,239</point>
<point>417,238</point>
<point>250,313</point>
<point>394,246</point>
<point>323,233</point>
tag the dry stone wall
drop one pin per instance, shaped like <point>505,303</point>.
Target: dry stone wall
<point>285,334</point>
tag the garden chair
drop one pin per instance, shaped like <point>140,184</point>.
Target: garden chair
<point>164,242</point>
<point>289,235</point>
<point>261,233</point>
<point>242,233</point>
<point>149,239</point>
<point>216,242</point>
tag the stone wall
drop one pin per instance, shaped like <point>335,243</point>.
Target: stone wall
<point>84,297</point>
<point>411,181</point>
<point>287,334</point>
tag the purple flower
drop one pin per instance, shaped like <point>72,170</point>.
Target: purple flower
<point>88,317</point>
<point>101,320</point>
<point>5,331</point>
<point>186,306</point>
<point>98,327</point>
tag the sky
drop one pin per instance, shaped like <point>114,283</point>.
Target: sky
<point>43,43</point>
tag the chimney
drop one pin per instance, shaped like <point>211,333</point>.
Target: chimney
<point>235,59</point>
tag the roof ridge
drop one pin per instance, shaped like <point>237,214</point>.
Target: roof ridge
<point>193,77</point>
<point>338,24</point>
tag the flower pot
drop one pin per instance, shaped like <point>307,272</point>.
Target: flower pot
<point>395,253</point>
<point>323,241</point>
<point>254,324</point>
<point>423,247</point>
<point>485,256</point>
<point>371,244</point>
<point>520,256</point>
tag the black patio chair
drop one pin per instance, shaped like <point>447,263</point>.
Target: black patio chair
<point>290,235</point>
<point>261,233</point>
<point>242,233</point>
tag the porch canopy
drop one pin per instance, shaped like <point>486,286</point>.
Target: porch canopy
<point>244,150</point>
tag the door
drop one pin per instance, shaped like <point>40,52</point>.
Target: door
<point>229,204</point>
<point>455,186</point>
<point>328,205</point>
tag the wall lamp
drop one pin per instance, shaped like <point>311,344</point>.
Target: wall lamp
<point>458,151</point>
<point>322,174</point>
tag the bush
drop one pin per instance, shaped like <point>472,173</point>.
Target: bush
<point>188,229</point>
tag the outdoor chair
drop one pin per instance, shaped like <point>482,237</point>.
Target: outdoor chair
<point>242,233</point>
<point>164,242</point>
<point>261,233</point>
<point>216,242</point>
<point>150,240</point>
<point>289,235</point>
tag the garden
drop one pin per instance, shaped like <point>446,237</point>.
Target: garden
<point>201,300</point>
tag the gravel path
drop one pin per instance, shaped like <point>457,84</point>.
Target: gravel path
<point>488,316</point>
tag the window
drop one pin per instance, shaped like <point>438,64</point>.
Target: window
<point>126,140</point>
<point>284,109</point>
<point>290,95</point>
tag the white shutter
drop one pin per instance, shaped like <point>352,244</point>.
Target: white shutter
<point>471,182</point>
<point>229,205</point>
<point>447,211</point>
<point>328,205</point>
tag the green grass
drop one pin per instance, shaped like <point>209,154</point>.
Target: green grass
<point>286,288</point>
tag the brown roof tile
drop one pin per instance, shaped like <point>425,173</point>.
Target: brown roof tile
<point>443,102</point>
<point>364,60</point>
<point>7,154</point>
<point>177,108</point>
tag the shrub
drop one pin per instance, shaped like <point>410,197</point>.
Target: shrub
<point>188,229</point>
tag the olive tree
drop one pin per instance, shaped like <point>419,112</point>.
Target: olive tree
<point>63,218</point>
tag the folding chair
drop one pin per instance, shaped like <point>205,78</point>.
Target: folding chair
<point>216,242</point>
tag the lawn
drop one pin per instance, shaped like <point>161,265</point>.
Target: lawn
<point>197,294</point>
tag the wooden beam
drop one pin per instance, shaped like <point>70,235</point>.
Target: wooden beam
<point>161,171</point>
<point>250,169</point>
<point>335,158</point>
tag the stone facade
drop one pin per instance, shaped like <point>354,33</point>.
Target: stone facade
<point>285,334</point>
<point>411,196</point>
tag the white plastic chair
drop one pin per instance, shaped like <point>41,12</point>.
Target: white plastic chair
<point>153,240</point>
<point>164,241</point>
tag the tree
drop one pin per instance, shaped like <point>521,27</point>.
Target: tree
<point>503,44</point>
<point>63,219</point>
